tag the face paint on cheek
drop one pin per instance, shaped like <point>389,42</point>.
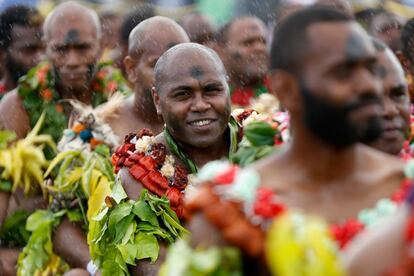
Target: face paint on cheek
<point>196,72</point>
<point>72,36</point>
<point>381,71</point>
<point>355,47</point>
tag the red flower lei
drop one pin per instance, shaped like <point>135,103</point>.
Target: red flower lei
<point>145,168</point>
<point>243,96</point>
<point>266,207</point>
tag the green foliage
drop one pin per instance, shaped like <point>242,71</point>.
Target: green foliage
<point>13,231</point>
<point>184,261</point>
<point>38,254</point>
<point>258,142</point>
<point>130,231</point>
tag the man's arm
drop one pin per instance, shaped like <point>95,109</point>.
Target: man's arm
<point>13,116</point>
<point>132,187</point>
<point>4,203</point>
<point>69,242</point>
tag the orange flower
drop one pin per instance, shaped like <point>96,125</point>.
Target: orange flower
<point>41,76</point>
<point>94,142</point>
<point>78,128</point>
<point>112,86</point>
<point>46,94</point>
<point>59,108</point>
<point>101,74</point>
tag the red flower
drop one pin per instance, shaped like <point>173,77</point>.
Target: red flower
<point>112,86</point>
<point>138,172</point>
<point>227,177</point>
<point>244,115</point>
<point>344,233</point>
<point>96,87</point>
<point>144,132</point>
<point>265,206</point>
<point>148,163</point>
<point>101,74</point>
<point>46,94</point>
<point>2,89</point>
<point>41,76</point>
<point>180,179</point>
<point>174,195</point>
<point>59,108</point>
<point>409,230</point>
<point>242,97</point>
<point>158,152</point>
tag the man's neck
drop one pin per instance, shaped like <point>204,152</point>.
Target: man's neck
<point>201,156</point>
<point>322,163</point>
<point>145,111</point>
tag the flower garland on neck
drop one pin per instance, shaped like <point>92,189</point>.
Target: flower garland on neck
<point>242,96</point>
<point>39,94</point>
<point>148,162</point>
<point>260,205</point>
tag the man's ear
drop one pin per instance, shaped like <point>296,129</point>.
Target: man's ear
<point>286,89</point>
<point>130,65</point>
<point>156,99</point>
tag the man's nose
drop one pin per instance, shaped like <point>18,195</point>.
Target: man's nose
<point>199,104</point>
<point>72,58</point>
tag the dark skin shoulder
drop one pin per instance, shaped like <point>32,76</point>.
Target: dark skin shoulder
<point>13,116</point>
<point>374,176</point>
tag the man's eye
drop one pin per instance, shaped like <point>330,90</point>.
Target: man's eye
<point>181,94</point>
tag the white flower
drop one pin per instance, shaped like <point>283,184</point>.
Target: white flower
<point>167,170</point>
<point>144,144</point>
<point>237,112</point>
<point>254,117</point>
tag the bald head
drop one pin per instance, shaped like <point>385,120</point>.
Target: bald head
<point>199,27</point>
<point>183,55</point>
<point>69,13</point>
<point>143,36</point>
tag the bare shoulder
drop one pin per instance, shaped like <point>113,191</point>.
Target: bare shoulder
<point>131,186</point>
<point>384,242</point>
<point>13,115</point>
<point>381,164</point>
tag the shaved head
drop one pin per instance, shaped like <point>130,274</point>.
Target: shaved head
<point>144,37</point>
<point>178,54</point>
<point>69,12</point>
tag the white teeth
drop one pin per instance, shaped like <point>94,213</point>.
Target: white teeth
<point>201,123</point>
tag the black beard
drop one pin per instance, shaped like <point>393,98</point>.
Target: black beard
<point>332,124</point>
<point>15,70</point>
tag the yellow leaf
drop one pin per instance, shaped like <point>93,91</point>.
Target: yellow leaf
<point>97,198</point>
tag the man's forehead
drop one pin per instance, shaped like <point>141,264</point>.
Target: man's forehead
<point>72,33</point>
<point>247,27</point>
<point>181,69</point>
<point>340,38</point>
<point>26,33</point>
<point>391,66</point>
